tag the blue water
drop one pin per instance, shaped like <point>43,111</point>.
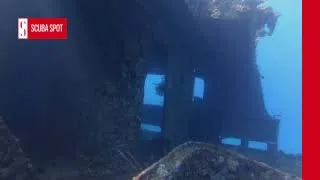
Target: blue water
<point>279,59</point>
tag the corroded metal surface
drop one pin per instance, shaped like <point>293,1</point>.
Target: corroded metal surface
<point>254,10</point>
<point>195,160</point>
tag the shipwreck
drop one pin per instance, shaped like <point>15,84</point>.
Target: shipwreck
<point>85,94</point>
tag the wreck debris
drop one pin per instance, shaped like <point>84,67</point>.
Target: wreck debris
<point>261,14</point>
<point>160,87</point>
<point>14,164</point>
<point>117,161</point>
<point>195,160</point>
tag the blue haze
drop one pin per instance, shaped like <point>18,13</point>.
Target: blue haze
<point>279,59</point>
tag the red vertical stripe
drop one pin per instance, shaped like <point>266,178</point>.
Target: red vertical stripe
<point>311,90</point>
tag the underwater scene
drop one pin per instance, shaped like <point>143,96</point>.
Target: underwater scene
<point>153,90</point>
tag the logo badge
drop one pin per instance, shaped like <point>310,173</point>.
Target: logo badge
<point>43,28</point>
<point>23,28</point>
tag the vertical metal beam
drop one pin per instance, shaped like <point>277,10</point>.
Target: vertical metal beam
<point>178,99</point>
